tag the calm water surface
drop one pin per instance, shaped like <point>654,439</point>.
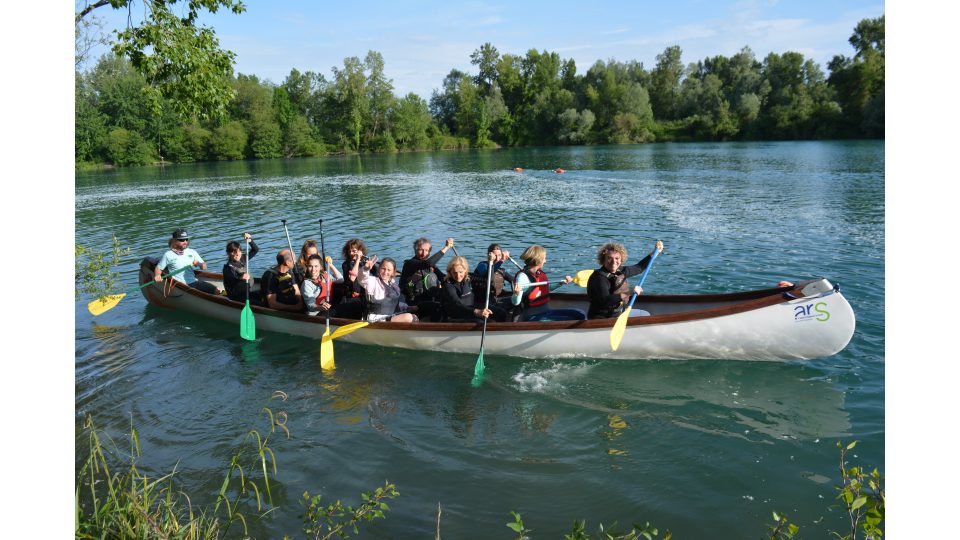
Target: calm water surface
<point>703,448</point>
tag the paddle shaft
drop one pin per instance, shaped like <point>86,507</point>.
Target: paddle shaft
<point>289,245</point>
<point>247,268</point>
<point>177,271</point>
<point>326,267</point>
<point>486,304</point>
<point>642,278</point>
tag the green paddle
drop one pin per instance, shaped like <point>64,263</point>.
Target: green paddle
<point>104,303</point>
<point>248,326</point>
<point>478,368</point>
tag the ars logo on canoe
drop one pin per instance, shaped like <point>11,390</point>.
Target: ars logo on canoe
<point>811,312</point>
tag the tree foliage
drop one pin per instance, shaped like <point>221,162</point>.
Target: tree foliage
<point>125,116</point>
<point>183,64</point>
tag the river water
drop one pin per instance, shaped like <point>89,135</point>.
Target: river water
<point>702,448</point>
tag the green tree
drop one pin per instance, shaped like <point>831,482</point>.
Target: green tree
<point>411,120</point>
<point>665,83</point>
<point>351,100</point>
<point>181,62</point>
<point>118,88</point>
<point>486,59</point>
<point>443,103</point>
<point>189,143</point>
<point>575,126</point>
<point>379,95</point>
<point>125,147</point>
<point>799,103</point>
<point>298,139</point>
<point>266,137</point>
<point>859,81</point>
<point>90,129</point>
<point>229,141</point>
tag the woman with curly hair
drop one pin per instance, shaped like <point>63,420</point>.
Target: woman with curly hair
<point>607,287</point>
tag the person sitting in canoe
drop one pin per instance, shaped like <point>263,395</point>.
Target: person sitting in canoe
<point>460,304</point>
<point>607,287</point>
<point>354,255</point>
<point>300,268</point>
<point>314,288</point>
<point>420,279</point>
<point>235,272</point>
<point>497,279</point>
<point>383,298</point>
<point>278,286</point>
<point>535,300</point>
<point>179,256</point>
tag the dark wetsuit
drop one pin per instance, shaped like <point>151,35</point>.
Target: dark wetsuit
<point>607,291</point>
<point>233,272</point>
<point>459,302</point>
<point>415,283</point>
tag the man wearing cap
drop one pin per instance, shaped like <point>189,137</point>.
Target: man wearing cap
<point>179,256</point>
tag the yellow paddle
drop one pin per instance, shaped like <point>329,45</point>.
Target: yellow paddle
<point>104,303</point>
<point>326,345</point>
<point>581,279</point>
<point>344,330</point>
<point>618,328</point>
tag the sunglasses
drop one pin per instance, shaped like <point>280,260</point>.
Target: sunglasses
<point>183,240</point>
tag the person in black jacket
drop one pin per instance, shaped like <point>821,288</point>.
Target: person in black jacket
<point>235,271</point>
<point>459,303</point>
<point>420,279</point>
<point>607,287</point>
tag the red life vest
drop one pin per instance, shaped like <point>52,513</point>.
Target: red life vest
<point>324,285</point>
<point>537,296</point>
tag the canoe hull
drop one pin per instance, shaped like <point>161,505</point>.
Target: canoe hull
<point>767,325</point>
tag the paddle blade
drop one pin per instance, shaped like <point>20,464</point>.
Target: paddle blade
<point>478,371</point>
<point>618,329</point>
<point>104,303</point>
<point>583,277</point>
<point>346,329</point>
<point>326,351</point>
<point>248,326</point>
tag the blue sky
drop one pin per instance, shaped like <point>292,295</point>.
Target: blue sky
<point>421,41</point>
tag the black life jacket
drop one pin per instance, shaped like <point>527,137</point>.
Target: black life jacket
<point>534,296</point>
<point>265,283</point>
<point>618,285</point>
<point>496,283</point>
<point>389,304</point>
<point>422,283</point>
<point>285,282</point>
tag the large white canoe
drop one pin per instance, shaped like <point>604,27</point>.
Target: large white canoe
<point>808,320</point>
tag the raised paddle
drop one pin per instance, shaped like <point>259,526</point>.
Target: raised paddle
<point>248,326</point>
<point>618,328</point>
<point>478,368</point>
<point>326,345</point>
<point>289,245</point>
<point>104,303</point>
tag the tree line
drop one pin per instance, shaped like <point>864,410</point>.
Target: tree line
<point>535,99</point>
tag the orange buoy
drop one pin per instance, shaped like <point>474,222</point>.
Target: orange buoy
<point>518,169</point>
<point>559,171</point>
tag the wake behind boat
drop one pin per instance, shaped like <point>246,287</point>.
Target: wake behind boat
<point>810,319</point>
